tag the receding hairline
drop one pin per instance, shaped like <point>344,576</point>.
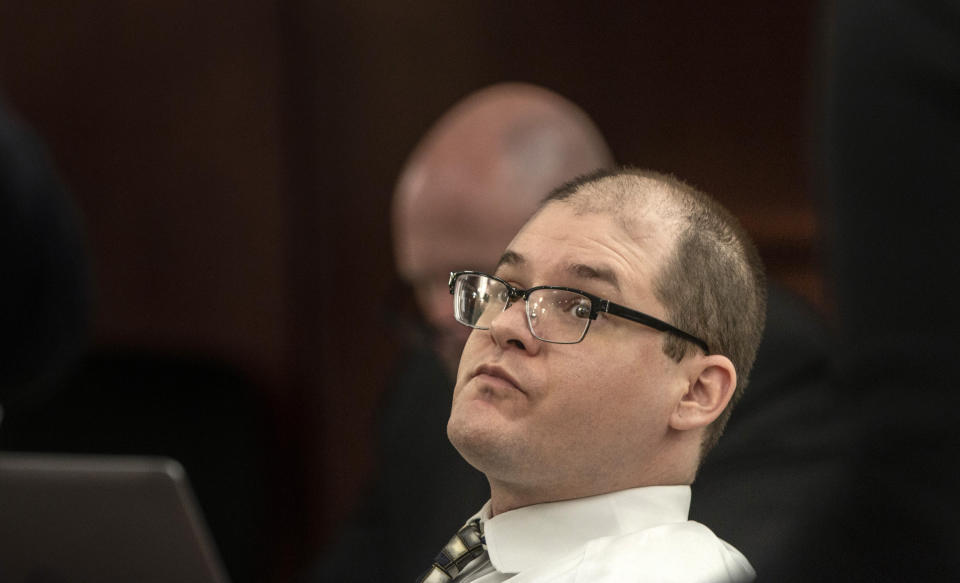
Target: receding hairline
<point>628,195</point>
<point>612,189</point>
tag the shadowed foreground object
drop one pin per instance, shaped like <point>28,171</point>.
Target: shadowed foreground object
<point>45,300</point>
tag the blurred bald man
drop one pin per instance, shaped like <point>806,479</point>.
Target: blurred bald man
<point>475,178</point>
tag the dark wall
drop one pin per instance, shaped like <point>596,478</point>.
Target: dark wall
<point>234,163</point>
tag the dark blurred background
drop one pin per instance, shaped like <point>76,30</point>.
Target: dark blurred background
<point>233,164</point>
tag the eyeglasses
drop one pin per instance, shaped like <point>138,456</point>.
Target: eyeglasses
<point>561,315</point>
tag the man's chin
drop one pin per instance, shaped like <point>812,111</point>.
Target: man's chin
<point>483,447</point>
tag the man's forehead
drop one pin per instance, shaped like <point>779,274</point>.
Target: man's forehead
<point>591,245</point>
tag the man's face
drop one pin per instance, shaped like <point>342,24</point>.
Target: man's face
<point>580,416</point>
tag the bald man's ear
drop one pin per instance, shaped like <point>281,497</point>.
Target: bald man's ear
<point>711,382</point>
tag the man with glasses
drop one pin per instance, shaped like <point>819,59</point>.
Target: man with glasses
<point>606,352</point>
<point>467,188</point>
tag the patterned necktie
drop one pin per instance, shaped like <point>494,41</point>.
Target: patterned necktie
<point>464,547</point>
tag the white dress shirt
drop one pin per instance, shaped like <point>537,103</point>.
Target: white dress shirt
<point>641,534</point>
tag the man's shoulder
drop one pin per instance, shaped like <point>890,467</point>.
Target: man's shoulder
<point>686,551</point>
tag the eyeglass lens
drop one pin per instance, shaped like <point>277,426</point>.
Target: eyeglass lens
<point>553,315</point>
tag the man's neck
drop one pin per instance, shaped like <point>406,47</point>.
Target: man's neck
<point>505,497</point>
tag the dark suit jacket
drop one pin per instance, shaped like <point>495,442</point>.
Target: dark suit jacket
<point>891,164</point>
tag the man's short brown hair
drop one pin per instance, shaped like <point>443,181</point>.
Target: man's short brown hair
<point>713,284</point>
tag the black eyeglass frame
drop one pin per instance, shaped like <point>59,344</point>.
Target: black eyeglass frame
<point>597,305</point>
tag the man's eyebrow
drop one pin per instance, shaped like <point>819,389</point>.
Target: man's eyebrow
<point>595,273</point>
<point>510,258</point>
<point>578,270</point>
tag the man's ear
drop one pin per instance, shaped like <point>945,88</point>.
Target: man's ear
<point>710,387</point>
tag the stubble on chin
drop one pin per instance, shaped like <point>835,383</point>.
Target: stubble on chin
<point>479,444</point>
<point>516,477</point>
<point>495,451</point>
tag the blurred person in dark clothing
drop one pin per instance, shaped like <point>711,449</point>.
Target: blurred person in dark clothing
<point>45,298</point>
<point>60,394</point>
<point>468,186</point>
<point>891,163</point>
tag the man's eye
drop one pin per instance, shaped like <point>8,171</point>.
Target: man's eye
<point>577,308</point>
<point>581,310</point>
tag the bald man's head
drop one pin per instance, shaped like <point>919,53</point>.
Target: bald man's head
<point>472,182</point>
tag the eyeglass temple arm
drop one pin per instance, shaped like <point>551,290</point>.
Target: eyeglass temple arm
<point>618,310</point>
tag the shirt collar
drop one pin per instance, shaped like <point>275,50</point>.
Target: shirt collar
<point>533,535</point>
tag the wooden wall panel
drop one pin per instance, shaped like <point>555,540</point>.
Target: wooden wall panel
<point>163,118</point>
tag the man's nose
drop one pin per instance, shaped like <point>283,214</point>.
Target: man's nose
<point>511,328</point>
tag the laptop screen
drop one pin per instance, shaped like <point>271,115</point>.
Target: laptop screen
<point>84,518</point>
